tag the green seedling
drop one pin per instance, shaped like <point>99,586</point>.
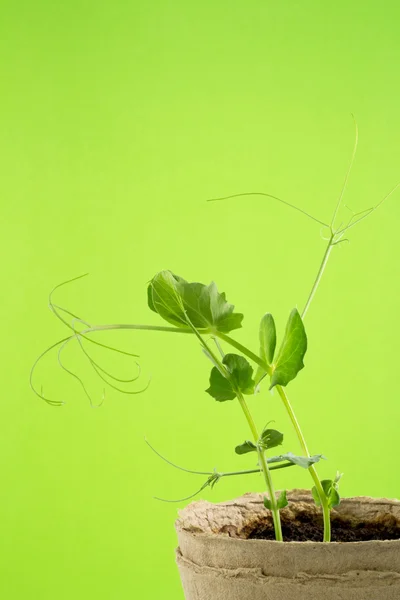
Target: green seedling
<point>204,313</point>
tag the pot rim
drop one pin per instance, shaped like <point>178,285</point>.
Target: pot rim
<point>256,499</point>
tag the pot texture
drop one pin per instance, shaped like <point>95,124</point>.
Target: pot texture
<point>217,562</point>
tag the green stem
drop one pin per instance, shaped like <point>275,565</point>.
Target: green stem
<point>312,469</point>
<point>273,467</point>
<point>226,338</point>
<point>292,416</point>
<point>319,274</point>
<point>265,469</point>
<point>138,327</point>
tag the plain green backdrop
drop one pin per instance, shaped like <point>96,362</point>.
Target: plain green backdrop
<point>118,120</point>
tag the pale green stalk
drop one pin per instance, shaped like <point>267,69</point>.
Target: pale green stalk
<point>299,433</point>
<point>312,469</point>
<point>265,470</point>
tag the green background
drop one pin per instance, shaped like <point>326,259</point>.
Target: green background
<point>118,119</point>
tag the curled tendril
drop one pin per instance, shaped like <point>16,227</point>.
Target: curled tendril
<point>75,376</point>
<point>39,358</point>
<point>58,311</point>
<point>99,367</point>
<point>55,308</point>
<point>325,236</point>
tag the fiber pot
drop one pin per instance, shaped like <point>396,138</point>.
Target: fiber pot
<point>217,561</point>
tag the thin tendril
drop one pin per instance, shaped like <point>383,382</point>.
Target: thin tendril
<point>203,487</point>
<point>174,465</point>
<point>270,196</point>
<point>39,358</point>
<point>99,374</point>
<point>53,308</point>
<point>75,376</point>
<point>94,363</point>
<point>347,173</point>
<point>369,211</point>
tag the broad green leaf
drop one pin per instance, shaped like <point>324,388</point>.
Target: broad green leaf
<point>270,438</point>
<point>267,335</point>
<point>176,300</point>
<point>282,500</point>
<point>220,388</point>
<point>240,379</point>
<point>164,298</point>
<point>291,353</point>
<point>331,490</point>
<point>246,447</point>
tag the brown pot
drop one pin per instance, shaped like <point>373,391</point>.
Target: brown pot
<point>217,562</point>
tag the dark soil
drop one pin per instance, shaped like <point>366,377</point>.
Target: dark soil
<point>308,528</point>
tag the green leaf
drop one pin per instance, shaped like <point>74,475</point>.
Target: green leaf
<point>270,438</point>
<point>165,299</point>
<point>291,353</point>
<point>267,338</point>
<point>178,301</point>
<point>282,500</point>
<point>267,503</point>
<point>267,335</point>
<point>239,379</point>
<point>220,388</point>
<point>246,447</point>
<point>303,461</point>
<point>331,490</point>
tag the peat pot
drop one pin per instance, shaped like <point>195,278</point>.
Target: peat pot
<point>220,555</point>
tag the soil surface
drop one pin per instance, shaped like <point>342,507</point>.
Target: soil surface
<point>308,528</point>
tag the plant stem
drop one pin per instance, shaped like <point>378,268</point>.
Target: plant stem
<point>319,274</point>
<point>312,469</point>
<point>137,327</point>
<point>273,467</point>
<point>265,469</point>
<point>299,433</point>
<point>243,349</point>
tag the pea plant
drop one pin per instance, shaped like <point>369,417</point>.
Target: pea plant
<point>203,312</point>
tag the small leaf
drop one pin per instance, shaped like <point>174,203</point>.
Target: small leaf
<point>291,353</point>
<point>267,335</point>
<point>267,503</point>
<point>267,338</point>
<point>331,490</point>
<point>270,438</point>
<point>241,372</point>
<point>282,500</point>
<point>220,387</point>
<point>246,447</point>
<point>176,300</point>
<point>240,379</point>
<point>315,496</point>
<point>303,461</point>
